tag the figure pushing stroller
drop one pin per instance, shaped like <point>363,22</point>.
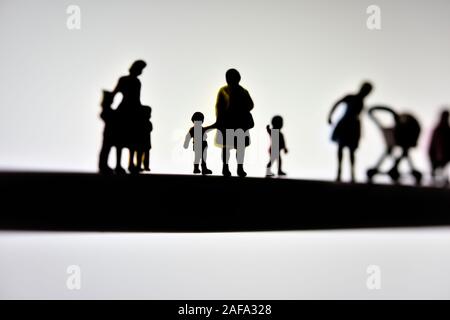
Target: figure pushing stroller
<point>404,136</point>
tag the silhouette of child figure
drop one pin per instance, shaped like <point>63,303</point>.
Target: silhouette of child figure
<point>348,130</point>
<point>109,133</point>
<point>197,133</point>
<point>439,149</point>
<point>277,144</point>
<point>143,144</point>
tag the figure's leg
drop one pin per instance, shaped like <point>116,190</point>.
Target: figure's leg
<point>139,158</point>
<point>241,142</point>
<point>103,159</point>
<point>269,172</point>
<point>131,164</point>
<point>119,168</point>
<point>225,160</point>
<point>197,159</point>
<point>205,169</point>
<point>240,155</point>
<point>280,164</point>
<point>147,160</point>
<point>352,163</point>
<point>340,155</point>
<point>269,164</point>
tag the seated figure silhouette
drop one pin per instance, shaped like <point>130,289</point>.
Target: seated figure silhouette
<point>277,144</point>
<point>122,124</point>
<point>348,130</point>
<point>140,154</point>
<point>233,121</point>
<point>198,135</point>
<point>404,135</point>
<point>439,149</point>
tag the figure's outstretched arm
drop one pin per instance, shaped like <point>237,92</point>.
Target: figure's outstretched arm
<point>211,127</point>
<point>117,88</point>
<point>187,139</point>
<point>269,131</point>
<point>372,110</point>
<point>333,109</point>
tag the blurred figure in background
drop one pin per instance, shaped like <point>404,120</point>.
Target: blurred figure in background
<point>439,149</point>
<point>348,130</point>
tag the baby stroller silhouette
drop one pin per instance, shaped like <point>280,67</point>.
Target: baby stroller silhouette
<point>404,136</point>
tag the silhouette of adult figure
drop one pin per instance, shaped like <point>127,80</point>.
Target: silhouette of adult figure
<point>348,130</point>
<point>128,111</point>
<point>233,121</point>
<point>439,149</point>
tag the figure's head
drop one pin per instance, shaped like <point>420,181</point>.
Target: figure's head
<point>137,67</point>
<point>445,115</point>
<point>277,122</point>
<point>198,116</point>
<point>233,77</point>
<point>366,89</point>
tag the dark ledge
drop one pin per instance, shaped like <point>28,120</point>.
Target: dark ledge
<point>175,203</point>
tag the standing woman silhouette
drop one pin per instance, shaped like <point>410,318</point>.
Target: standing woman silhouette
<point>127,112</point>
<point>233,121</point>
<point>348,130</point>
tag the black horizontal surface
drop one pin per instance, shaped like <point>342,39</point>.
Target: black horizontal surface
<point>176,203</point>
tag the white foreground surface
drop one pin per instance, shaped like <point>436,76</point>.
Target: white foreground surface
<point>413,264</point>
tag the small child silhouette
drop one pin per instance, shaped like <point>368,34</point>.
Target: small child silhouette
<point>277,144</point>
<point>141,152</point>
<point>197,133</point>
<point>144,148</point>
